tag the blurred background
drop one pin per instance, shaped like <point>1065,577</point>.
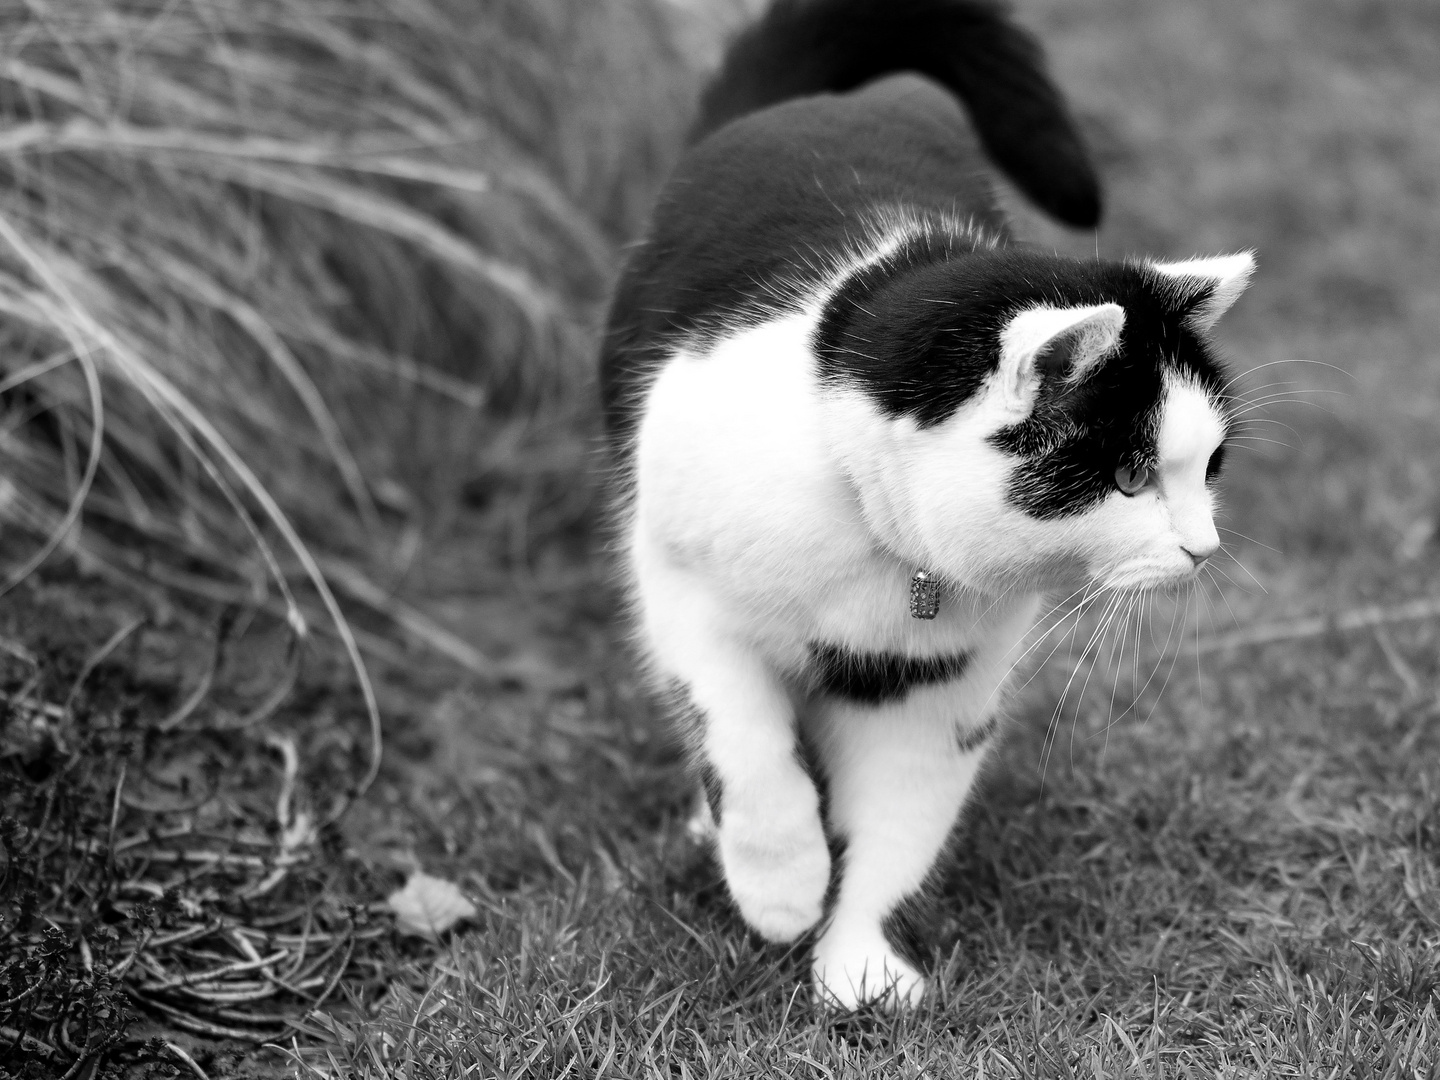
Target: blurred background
<point>298,311</point>
<point>356,258</point>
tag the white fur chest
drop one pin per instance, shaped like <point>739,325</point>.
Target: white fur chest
<point>740,503</point>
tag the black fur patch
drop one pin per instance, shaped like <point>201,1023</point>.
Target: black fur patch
<point>879,678</point>
<point>713,788</point>
<point>766,206</point>
<point>920,333</point>
<point>903,328</point>
<point>1078,435</point>
<point>909,928</point>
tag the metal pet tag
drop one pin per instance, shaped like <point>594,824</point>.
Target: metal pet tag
<point>924,596</point>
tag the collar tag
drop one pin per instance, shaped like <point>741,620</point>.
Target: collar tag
<point>924,596</point>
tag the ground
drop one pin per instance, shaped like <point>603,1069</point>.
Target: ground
<point>1227,869</point>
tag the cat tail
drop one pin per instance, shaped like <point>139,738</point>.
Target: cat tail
<point>971,47</point>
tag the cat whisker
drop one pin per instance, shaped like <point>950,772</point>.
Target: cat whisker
<point>1271,401</point>
<point>1244,423</point>
<point>1053,727</point>
<point>1276,363</point>
<point>1131,615</point>
<point>1253,442</point>
<point>1043,636</point>
<point>1248,426</point>
<point>1248,539</point>
<point>1245,410</point>
<point>1250,393</point>
<point>1199,666</point>
<point>1118,617</point>
<point>1232,557</point>
<point>1094,644</point>
<point>1211,571</point>
<point>1138,615</point>
<point>1180,618</point>
<point>1160,658</point>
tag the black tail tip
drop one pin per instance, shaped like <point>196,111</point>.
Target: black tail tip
<point>1078,205</point>
<point>1056,174</point>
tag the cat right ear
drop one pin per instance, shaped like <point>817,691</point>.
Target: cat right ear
<point>1043,341</point>
<point>1208,286</point>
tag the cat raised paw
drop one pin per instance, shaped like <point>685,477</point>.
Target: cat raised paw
<point>777,879</point>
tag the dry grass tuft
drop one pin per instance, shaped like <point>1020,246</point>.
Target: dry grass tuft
<point>283,283</point>
<point>281,276</point>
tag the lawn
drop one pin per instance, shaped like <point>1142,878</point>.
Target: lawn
<point>1210,844</point>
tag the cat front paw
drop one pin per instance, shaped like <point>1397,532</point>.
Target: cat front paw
<point>777,877</point>
<point>853,970</point>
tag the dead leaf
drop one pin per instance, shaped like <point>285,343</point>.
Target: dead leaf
<point>428,906</point>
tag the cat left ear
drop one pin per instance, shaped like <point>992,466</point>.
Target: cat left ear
<point>1063,342</point>
<point>1212,285</point>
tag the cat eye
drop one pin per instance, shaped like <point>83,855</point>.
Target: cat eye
<point>1132,478</point>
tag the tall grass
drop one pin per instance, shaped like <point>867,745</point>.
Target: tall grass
<point>277,278</point>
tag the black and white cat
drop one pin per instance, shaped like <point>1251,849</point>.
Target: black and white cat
<point>840,398</point>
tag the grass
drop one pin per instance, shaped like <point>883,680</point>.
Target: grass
<point>283,287</point>
<point>1229,872</point>
<point>1233,876</point>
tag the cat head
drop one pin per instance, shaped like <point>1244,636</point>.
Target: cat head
<point>1012,420</point>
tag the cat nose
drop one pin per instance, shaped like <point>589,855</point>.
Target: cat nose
<point>1199,554</point>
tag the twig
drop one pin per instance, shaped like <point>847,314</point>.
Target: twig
<point>232,997</point>
<point>190,1022</point>
<point>1359,618</point>
<point>187,1059</point>
<point>216,973</point>
<point>27,1043</point>
<point>10,1003</point>
<point>252,1017</point>
<point>335,979</point>
<point>314,939</point>
<point>119,969</point>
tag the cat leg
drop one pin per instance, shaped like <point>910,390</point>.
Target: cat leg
<point>763,804</point>
<point>898,775</point>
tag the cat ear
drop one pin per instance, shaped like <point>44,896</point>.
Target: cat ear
<point>1216,283</point>
<point>1047,341</point>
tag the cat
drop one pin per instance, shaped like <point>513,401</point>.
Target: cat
<point>860,435</point>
